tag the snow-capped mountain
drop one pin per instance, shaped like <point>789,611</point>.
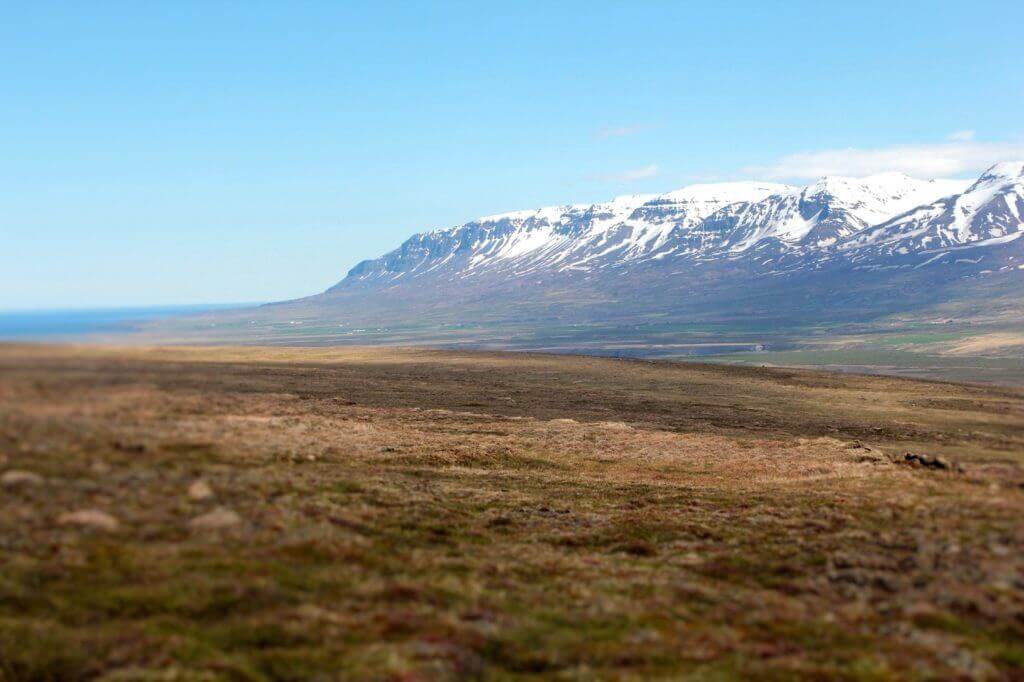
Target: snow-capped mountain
<point>564,238</point>
<point>989,212</point>
<point>829,210</point>
<point>838,251</point>
<point>701,222</point>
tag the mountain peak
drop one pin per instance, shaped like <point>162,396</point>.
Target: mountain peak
<point>729,192</point>
<point>704,222</point>
<point>891,181</point>
<point>545,212</point>
<point>1002,172</point>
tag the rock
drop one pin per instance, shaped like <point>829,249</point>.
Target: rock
<point>217,519</point>
<point>128,446</point>
<point>89,518</point>
<point>931,462</point>
<point>639,547</point>
<point>16,477</point>
<point>200,490</point>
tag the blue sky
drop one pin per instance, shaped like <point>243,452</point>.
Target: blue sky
<point>185,152</point>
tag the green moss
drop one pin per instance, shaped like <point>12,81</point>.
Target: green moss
<point>46,651</point>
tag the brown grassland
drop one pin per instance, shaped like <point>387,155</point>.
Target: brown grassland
<point>385,514</point>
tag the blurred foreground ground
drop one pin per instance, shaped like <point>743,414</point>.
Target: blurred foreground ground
<point>366,513</point>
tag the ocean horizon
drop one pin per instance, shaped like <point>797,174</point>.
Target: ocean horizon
<point>81,323</point>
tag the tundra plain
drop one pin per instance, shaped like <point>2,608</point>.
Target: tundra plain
<point>245,513</point>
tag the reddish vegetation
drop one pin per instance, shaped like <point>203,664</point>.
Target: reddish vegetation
<point>415,515</point>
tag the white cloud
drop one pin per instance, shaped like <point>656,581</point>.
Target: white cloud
<point>649,171</point>
<point>944,159</point>
<point>961,136</point>
<point>618,131</point>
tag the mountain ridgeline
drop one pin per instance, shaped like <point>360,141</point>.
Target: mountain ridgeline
<point>751,255</point>
<point>837,249</point>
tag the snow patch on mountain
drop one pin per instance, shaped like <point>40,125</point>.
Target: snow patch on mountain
<point>776,227</point>
<point>989,209</point>
<point>834,208</point>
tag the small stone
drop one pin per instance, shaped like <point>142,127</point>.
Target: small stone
<point>931,462</point>
<point>89,518</point>
<point>17,477</point>
<point>216,520</point>
<point>200,490</point>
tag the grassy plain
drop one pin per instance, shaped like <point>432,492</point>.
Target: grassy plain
<point>389,514</point>
<point>945,343</point>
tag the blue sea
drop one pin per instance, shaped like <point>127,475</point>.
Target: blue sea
<point>71,325</point>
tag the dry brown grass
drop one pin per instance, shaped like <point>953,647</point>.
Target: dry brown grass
<point>423,515</point>
<point>999,342</point>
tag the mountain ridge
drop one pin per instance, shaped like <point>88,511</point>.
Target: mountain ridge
<point>788,260</point>
<point>698,222</point>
